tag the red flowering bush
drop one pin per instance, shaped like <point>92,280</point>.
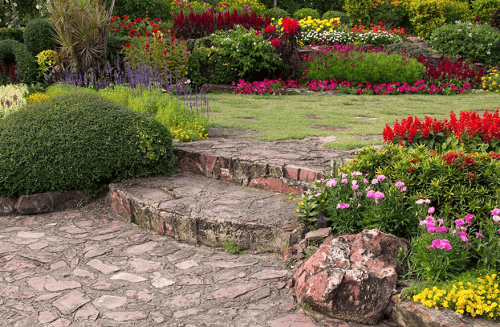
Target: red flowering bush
<point>470,131</point>
<point>457,72</point>
<point>194,26</point>
<point>136,28</point>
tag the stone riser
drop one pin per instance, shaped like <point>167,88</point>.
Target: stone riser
<point>200,230</point>
<point>281,179</point>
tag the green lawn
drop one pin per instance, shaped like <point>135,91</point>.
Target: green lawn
<point>357,121</point>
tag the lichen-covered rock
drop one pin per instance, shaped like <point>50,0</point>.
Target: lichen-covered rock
<point>351,277</point>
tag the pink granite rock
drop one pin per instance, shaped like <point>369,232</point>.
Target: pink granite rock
<point>351,277</point>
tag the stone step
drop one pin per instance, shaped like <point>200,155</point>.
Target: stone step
<point>199,210</point>
<point>279,166</point>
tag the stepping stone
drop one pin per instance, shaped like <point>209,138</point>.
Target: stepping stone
<point>125,316</point>
<point>186,264</point>
<point>128,277</point>
<point>45,317</point>
<point>70,302</point>
<point>102,267</point>
<point>87,313</point>
<point>109,302</point>
<point>233,291</point>
<point>139,249</point>
<point>270,274</point>
<point>141,265</point>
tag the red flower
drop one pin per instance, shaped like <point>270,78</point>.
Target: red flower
<point>478,19</point>
<point>127,44</point>
<point>155,30</point>
<point>275,43</point>
<point>270,29</point>
<point>180,39</point>
<point>147,45</point>
<point>172,39</point>
<point>290,26</point>
<point>411,169</point>
<point>165,52</point>
<point>139,34</point>
<point>414,160</point>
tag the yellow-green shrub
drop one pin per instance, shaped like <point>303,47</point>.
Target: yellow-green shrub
<point>491,82</point>
<point>47,59</point>
<point>427,15</point>
<point>358,10</point>
<point>37,97</point>
<point>484,9</point>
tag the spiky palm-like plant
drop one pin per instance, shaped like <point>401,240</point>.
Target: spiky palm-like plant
<point>80,31</point>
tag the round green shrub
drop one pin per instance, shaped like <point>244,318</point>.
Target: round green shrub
<point>79,141</point>
<point>471,41</point>
<point>306,12</point>
<point>10,51</point>
<point>277,13</point>
<point>344,18</point>
<point>13,33</point>
<point>38,36</point>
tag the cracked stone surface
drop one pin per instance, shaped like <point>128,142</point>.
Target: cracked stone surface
<point>134,278</point>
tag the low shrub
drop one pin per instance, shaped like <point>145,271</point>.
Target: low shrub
<point>225,57</point>
<point>471,41</point>
<point>38,36</point>
<point>11,34</point>
<point>277,13</point>
<point>390,12</point>
<point>241,6</point>
<point>185,6</point>
<point>484,9</point>
<point>79,141</point>
<point>362,67</point>
<point>141,8</point>
<point>25,62</point>
<point>304,13</point>
<point>358,10</point>
<point>491,83</point>
<point>427,15</point>
<point>344,18</point>
<point>11,98</point>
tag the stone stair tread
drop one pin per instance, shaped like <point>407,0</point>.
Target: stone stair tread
<point>202,210</point>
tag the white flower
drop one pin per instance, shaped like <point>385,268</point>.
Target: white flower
<point>14,4</point>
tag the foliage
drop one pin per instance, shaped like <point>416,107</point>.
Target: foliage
<point>427,15</point>
<point>442,251</point>
<point>141,8</point>
<point>201,25</point>
<point>81,141</point>
<point>185,6</point>
<point>11,33</point>
<point>471,132</point>
<point>358,10</point>
<point>276,13</point>
<point>478,41</point>
<point>11,98</point>
<point>37,97</point>
<point>455,182</point>
<point>230,246</point>
<point>80,31</point>
<point>46,60</point>
<point>465,294</point>
<point>362,67</point>
<point>305,13</point>
<point>389,12</point>
<point>160,52</point>
<point>344,18</point>
<point>491,82</point>
<point>484,9</point>
<point>225,57</point>
<point>495,20</point>
<point>241,6</point>
<point>26,64</point>
<point>38,36</point>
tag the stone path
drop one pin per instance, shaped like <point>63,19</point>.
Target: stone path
<point>87,267</point>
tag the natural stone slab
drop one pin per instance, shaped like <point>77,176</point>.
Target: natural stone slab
<point>233,291</point>
<point>318,234</point>
<point>7,205</point>
<point>14,292</point>
<point>270,274</point>
<point>61,322</point>
<point>30,234</point>
<point>128,277</point>
<point>87,313</point>
<point>68,303</point>
<point>187,313</point>
<point>139,249</point>
<point>56,286</point>
<point>109,302</point>
<point>159,282</point>
<point>186,264</point>
<point>102,267</point>
<point>125,316</point>
<point>185,300</point>
<point>294,320</point>
<point>141,265</point>
<point>44,317</point>
<point>230,264</point>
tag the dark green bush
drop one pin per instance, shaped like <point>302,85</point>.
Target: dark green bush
<point>114,47</point>
<point>306,12</point>
<point>344,18</point>
<point>277,13</point>
<point>13,51</point>
<point>471,41</point>
<point>79,141</point>
<point>227,56</point>
<point>11,34</point>
<point>141,8</point>
<point>38,36</point>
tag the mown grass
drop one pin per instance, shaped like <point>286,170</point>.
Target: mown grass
<point>286,117</point>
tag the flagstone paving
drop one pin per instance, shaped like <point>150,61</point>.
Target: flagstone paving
<point>87,267</point>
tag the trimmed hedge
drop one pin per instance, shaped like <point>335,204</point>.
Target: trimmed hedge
<point>38,36</point>
<point>11,50</point>
<point>79,141</point>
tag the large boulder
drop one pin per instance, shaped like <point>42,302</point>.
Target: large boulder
<point>351,277</point>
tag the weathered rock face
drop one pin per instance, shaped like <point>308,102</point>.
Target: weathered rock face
<point>351,277</point>
<point>7,205</point>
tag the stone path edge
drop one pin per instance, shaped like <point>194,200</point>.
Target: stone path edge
<point>210,232</point>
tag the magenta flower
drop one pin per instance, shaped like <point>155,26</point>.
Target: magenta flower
<point>344,181</point>
<point>356,173</point>
<point>431,210</point>
<point>331,183</point>
<point>365,180</point>
<point>431,228</point>
<point>441,221</point>
<point>430,220</point>
<point>343,206</point>
<point>423,223</point>
<point>479,235</point>
<point>403,189</point>
<point>459,222</point>
<point>463,236</point>
<point>469,218</point>
<point>400,184</point>
<point>355,187</point>
<point>440,244</point>
<point>380,177</point>
<point>442,229</point>
<point>495,212</point>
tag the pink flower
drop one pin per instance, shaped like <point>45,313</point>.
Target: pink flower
<point>430,220</point>
<point>469,218</point>
<point>431,228</point>
<point>459,222</point>
<point>356,173</point>
<point>403,189</point>
<point>442,229</point>
<point>355,187</point>
<point>496,218</point>
<point>400,184</point>
<point>344,181</point>
<point>430,210</point>
<point>380,177</point>
<point>440,244</point>
<point>343,206</point>
<point>331,183</point>
<point>479,235</point>
<point>423,223</point>
<point>441,221</point>
<point>365,180</point>
<point>495,212</point>
<point>374,181</point>
<point>463,236</point>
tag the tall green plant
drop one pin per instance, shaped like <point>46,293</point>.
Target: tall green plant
<point>80,31</point>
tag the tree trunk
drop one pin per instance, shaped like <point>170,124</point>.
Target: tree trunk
<point>274,5</point>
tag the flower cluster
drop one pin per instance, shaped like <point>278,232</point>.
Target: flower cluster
<point>459,71</point>
<point>272,87</point>
<point>289,25</point>
<point>491,83</point>
<point>136,28</point>
<point>318,25</point>
<point>470,127</point>
<point>477,299</point>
